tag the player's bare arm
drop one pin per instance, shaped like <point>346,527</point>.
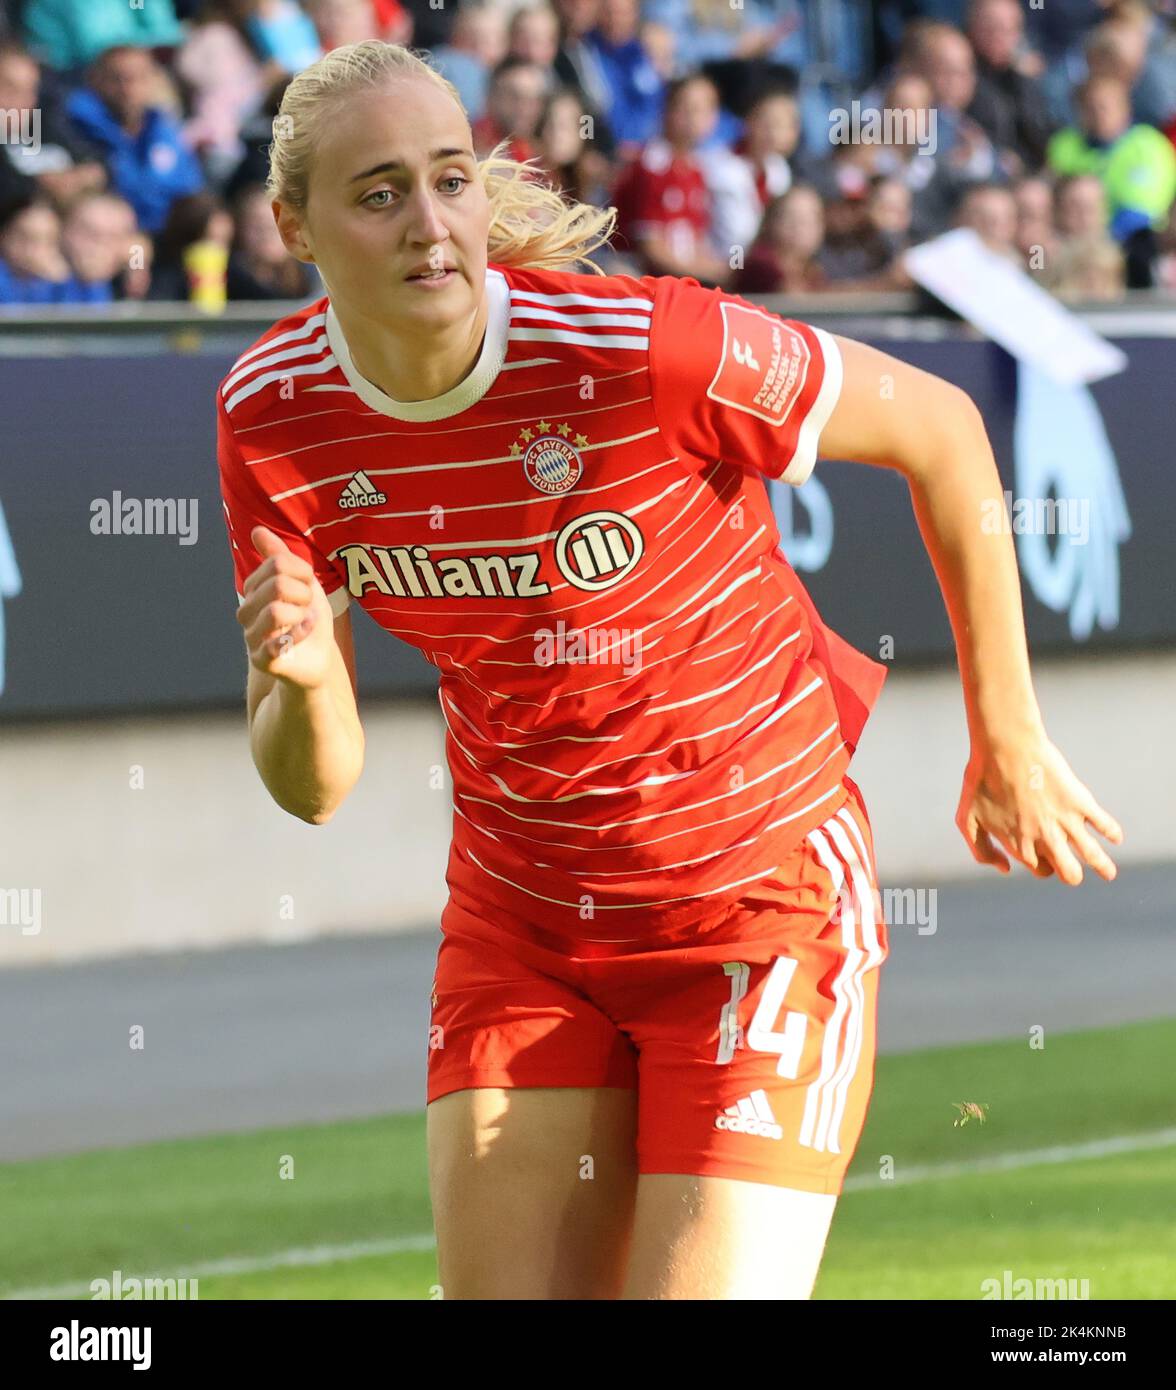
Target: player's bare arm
<point>1018,791</point>
<point>304,727</point>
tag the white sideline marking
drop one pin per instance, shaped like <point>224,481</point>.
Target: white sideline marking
<point>1030,1158</point>
<point>251,1264</point>
<point>360,1249</point>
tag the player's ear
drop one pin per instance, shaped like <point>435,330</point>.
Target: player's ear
<point>290,228</point>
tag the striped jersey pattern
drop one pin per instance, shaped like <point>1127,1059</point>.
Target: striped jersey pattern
<point>644,710</point>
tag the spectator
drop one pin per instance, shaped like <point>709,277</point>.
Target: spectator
<point>942,55</point>
<point>514,104</point>
<point>1009,102</point>
<point>735,209</point>
<point>577,65</point>
<point>771,134</point>
<point>663,203</point>
<point>1055,27</point>
<point>1087,268</point>
<point>149,164</point>
<point>711,31</point>
<point>636,89</point>
<point>855,253</point>
<point>1080,205</point>
<point>33,268</point>
<point>192,251</point>
<point>848,170</point>
<point>745,49</point>
<point>534,34</point>
<point>1087,263</point>
<point>226,82</point>
<point>337,22</point>
<point>1136,164</point>
<point>283,32</point>
<point>1136,48</point>
<point>71,34</point>
<point>260,267</point>
<point>94,237</point>
<point>1036,237</point>
<point>257,135</point>
<point>661,48</point>
<point>46,159</point>
<point>568,152</point>
<point>934,187</point>
<point>783,259</point>
<point>890,211</point>
<point>991,211</point>
<point>476,46</point>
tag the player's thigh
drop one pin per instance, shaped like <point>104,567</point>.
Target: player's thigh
<point>533,1190</point>
<point>710,1237</point>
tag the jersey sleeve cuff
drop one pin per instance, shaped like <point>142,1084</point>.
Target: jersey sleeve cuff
<point>805,456</point>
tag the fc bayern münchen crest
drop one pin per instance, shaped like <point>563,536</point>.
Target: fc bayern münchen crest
<point>551,464</point>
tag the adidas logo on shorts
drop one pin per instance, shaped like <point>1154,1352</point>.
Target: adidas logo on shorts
<point>361,492</point>
<point>751,1115</point>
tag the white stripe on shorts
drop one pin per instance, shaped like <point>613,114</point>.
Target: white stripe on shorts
<point>853,889</point>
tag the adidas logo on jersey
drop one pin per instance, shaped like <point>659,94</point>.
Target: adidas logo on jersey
<point>361,492</point>
<point>751,1115</point>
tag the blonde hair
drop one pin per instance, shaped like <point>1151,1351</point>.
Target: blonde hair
<point>531,223</point>
<point>1087,267</point>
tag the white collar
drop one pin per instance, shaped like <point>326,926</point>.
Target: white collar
<point>466,393</point>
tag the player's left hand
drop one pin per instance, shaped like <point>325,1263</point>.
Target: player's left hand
<point>1026,797</point>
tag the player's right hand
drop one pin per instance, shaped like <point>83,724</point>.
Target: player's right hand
<point>287,618</point>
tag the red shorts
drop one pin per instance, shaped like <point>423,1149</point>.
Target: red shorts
<point>749,1040</point>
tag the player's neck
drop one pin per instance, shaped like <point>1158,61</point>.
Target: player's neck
<point>408,367</point>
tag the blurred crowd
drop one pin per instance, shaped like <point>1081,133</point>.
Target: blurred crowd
<point>761,146</point>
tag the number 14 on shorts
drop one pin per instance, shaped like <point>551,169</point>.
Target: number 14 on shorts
<point>762,1034</point>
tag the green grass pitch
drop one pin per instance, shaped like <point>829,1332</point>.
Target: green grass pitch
<point>354,1220</point>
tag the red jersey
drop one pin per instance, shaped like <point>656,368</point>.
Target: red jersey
<point>665,193</point>
<point>645,712</point>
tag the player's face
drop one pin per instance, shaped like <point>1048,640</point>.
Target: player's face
<point>381,206</point>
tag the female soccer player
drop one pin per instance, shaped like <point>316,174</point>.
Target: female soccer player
<point>654,1006</point>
